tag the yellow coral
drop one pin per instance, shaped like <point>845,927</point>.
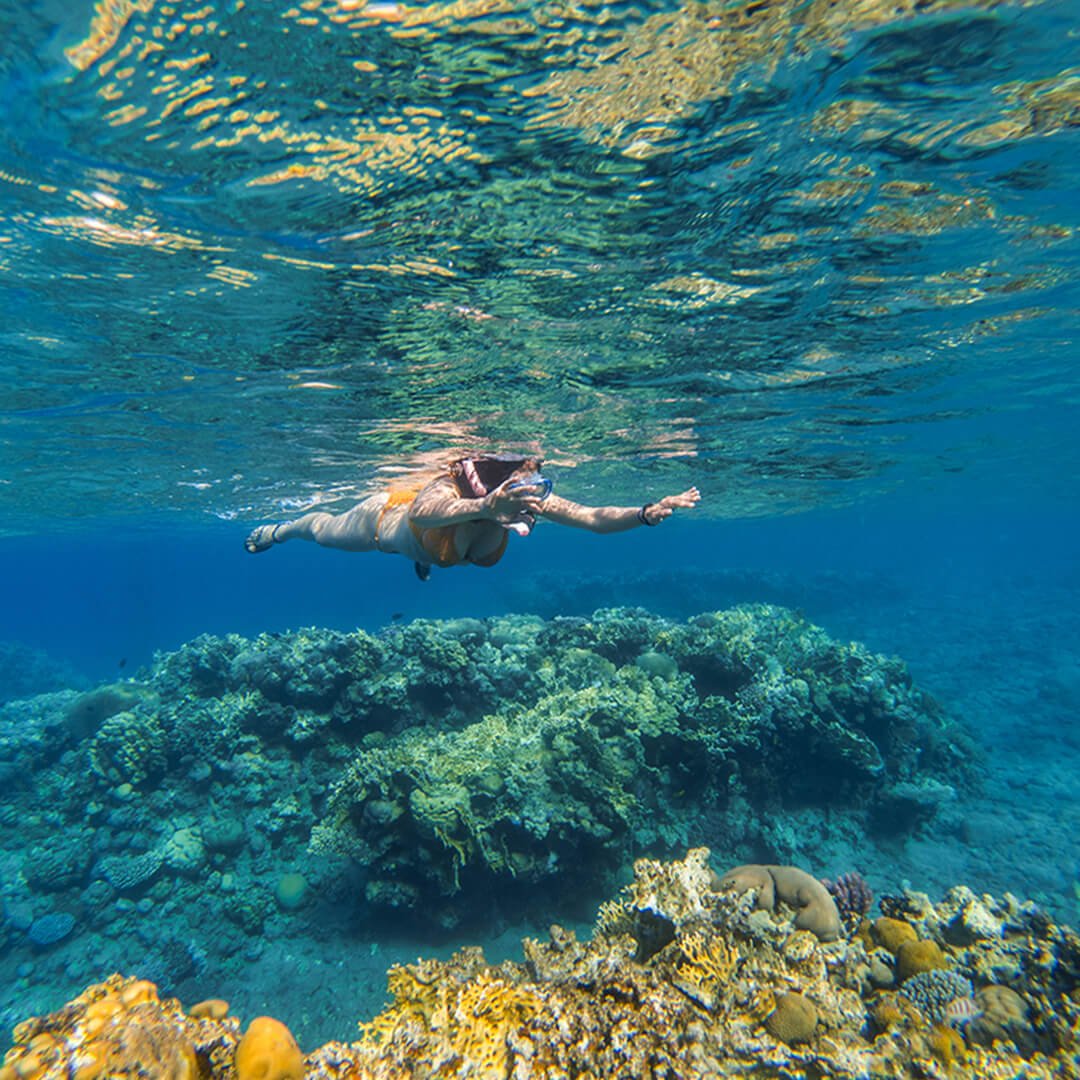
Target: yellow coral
<point>268,1051</point>
<point>892,933</point>
<point>612,919</point>
<point>886,1013</point>
<point>488,1009</point>
<point>947,1045</point>
<point>421,996</point>
<point>472,1019</point>
<point>915,957</point>
<point>211,1009</point>
<point>119,1033</point>
<point>708,963</point>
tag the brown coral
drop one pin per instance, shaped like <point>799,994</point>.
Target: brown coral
<point>817,911</point>
<point>947,1044</point>
<point>793,1020</point>
<point>892,933</point>
<point>915,957</point>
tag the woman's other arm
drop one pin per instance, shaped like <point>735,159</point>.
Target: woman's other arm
<point>613,519</point>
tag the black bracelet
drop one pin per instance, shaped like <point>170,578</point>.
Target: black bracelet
<point>641,516</point>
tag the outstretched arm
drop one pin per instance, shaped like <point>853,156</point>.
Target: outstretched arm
<point>612,519</point>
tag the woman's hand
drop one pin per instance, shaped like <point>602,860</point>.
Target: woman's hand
<point>505,504</point>
<point>655,512</point>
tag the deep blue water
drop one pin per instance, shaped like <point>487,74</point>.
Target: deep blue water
<point>105,602</point>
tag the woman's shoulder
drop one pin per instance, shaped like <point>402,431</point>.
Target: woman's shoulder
<point>443,484</point>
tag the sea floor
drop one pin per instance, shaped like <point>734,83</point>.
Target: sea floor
<point>1004,659</point>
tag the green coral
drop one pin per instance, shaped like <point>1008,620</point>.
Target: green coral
<point>630,723</point>
<point>524,794</point>
<point>449,757</point>
<point>529,794</point>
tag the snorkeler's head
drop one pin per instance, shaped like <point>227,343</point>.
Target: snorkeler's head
<point>476,476</point>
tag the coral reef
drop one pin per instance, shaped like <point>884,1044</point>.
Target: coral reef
<point>525,797</point>
<point>473,769</point>
<point>679,980</point>
<point>606,731</point>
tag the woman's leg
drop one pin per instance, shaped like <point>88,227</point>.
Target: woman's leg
<point>353,530</point>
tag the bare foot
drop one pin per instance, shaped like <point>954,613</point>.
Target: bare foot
<point>261,538</point>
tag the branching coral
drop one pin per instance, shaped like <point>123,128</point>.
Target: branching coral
<point>468,1022</point>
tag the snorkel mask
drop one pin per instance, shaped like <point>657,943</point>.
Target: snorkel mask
<point>541,486</point>
<point>479,475</point>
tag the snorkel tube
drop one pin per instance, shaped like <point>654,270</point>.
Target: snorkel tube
<point>478,476</point>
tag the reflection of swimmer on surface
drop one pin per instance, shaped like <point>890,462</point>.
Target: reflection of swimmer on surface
<point>463,516</point>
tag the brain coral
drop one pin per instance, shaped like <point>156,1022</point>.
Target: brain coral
<point>817,911</point>
<point>793,1020</point>
<point>49,929</point>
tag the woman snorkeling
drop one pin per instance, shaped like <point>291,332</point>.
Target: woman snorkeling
<point>464,515</point>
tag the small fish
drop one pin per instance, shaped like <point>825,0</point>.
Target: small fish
<point>123,662</point>
<point>961,1011</point>
<point>397,616</point>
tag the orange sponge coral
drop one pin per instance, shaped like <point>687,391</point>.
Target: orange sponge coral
<point>268,1051</point>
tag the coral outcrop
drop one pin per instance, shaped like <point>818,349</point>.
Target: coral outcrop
<point>818,912</point>
<point>465,769</point>
<point>604,732</point>
<point>679,980</point>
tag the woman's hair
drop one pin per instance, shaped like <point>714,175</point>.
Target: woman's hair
<point>476,476</point>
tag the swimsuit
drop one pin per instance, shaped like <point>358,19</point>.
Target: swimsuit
<point>438,542</point>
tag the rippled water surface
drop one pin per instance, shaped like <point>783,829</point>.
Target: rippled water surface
<point>259,254</point>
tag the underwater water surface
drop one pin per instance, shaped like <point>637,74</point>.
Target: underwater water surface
<point>819,260</point>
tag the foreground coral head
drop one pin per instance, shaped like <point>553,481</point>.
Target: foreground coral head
<point>688,974</point>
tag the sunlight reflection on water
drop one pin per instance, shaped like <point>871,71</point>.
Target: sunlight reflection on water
<point>259,256</point>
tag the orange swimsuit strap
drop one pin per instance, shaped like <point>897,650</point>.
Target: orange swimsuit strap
<point>395,497</point>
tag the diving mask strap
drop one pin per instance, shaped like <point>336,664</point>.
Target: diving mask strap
<point>468,470</point>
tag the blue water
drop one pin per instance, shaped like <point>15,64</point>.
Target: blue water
<point>820,261</point>
<point>99,600</point>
